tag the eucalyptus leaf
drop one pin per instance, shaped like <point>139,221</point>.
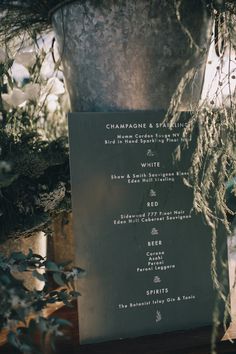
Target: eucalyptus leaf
<point>57,277</point>
<point>22,267</point>
<point>18,256</point>
<point>13,339</point>
<point>42,323</point>
<point>51,266</point>
<point>38,275</point>
<point>63,322</point>
<point>74,293</point>
<point>26,348</point>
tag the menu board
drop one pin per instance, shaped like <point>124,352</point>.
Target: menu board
<point>146,254</point>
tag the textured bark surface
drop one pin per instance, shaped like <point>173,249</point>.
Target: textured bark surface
<point>130,55</point>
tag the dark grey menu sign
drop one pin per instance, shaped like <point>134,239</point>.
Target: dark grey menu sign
<point>146,254</point>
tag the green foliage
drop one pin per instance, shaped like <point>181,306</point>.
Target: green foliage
<point>24,16</point>
<point>212,122</point>
<point>211,131</point>
<point>34,158</point>
<point>17,303</point>
<point>35,184</point>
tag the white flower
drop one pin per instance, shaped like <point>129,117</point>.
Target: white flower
<point>27,59</point>
<point>32,91</point>
<point>50,93</point>
<point>52,103</point>
<point>19,72</point>
<point>55,86</point>
<point>15,98</point>
<point>3,56</point>
<point>48,67</point>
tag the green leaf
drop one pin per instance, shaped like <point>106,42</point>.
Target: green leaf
<point>63,322</point>
<point>26,348</point>
<point>38,256</point>
<point>21,313</point>
<point>30,254</point>
<point>75,293</point>
<point>38,275</point>
<point>13,339</point>
<point>58,279</point>
<point>54,293</point>
<point>18,256</point>
<point>22,267</point>
<point>5,279</point>
<point>53,346</point>
<point>51,266</point>
<point>32,327</point>
<point>43,324</point>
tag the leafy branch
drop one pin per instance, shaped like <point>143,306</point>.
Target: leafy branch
<point>21,310</point>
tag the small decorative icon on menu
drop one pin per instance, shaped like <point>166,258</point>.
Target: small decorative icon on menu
<point>158,316</point>
<point>156,279</point>
<point>154,231</point>
<point>152,193</point>
<point>151,153</point>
